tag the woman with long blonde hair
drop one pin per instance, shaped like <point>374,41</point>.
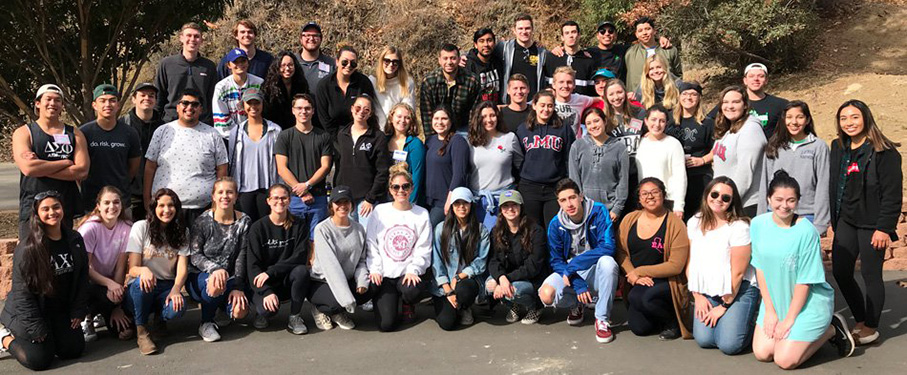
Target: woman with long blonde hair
<point>392,83</point>
<point>657,84</point>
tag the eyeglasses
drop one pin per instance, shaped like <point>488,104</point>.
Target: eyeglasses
<point>404,187</point>
<point>352,63</point>
<point>724,197</point>
<point>650,194</point>
<point>186,103</point>
<point>395,62</point>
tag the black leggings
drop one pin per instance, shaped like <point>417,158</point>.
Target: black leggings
<point>446,315</point>
<point>651,308</point>
<point>696,184</point>
<point>539,201</point>
<point>848,244</point>
<point>98,303</point>
<point>62,341</point>
<point>322,298</point>
<point>254,204</point>
<point>295,286</point>
<point>387,297</point>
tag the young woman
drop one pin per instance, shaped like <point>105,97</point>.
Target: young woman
<point>277,253</point>
<point>652,251</point>
<point>795,148</point>
<point>626,128</point>
<point>657,85</point>
<point>216,248</point>
<point>696,133</point>
<point>459,260</point>
<point>399,252</point>
<point>285,79</point>
<point>496,155</point>
<point>49,295</point>
<point>446,164</point>
<point>519,261</point>
<point>339,270</point>
<point>158,251</point>
<point>392,84</point>
<point>361,159</point>
<point>796,316</point>
<point>336,94</point>
<point>739,146</point>
<point>599,163</point>
<point>661,156</point>
<point>105,232</point>
<point>865,184</point>
<point>251,154</point>
<point>721,279</point>
<point>546,146</point>
<point>404,145</point>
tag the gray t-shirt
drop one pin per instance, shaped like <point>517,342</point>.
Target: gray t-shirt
<point>109,152</point>
<point>317,70</point>
<point>187,160</point>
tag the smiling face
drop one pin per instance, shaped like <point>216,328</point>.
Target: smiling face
<point>656,71</point>
<point>303,111</point>
<point>191,39</point>
<point>645,33</point>
<point>651,198</point>
<point>851,120</point>
<point>544,108</point>
<point>563,85</point>
<point>449,61</point>
<point>165,210</point>
<point>522,30</point>
<point>390,63</point>
<point>485,45</point>
<point>362,110</point>
<point>511,211</point>
<point>754,80</point>
<point>606,36</point>
<point>50,105</point>
<point>440,122</point>
<point>489,119</point>
<point>244,36</point>
<point>347,63</point>
<point>189,109</point>
<point>461,209</point>
<point>595,125</point>
<point>783,202</point>
<point>401,120</point>
<point>601,84</point>
<point>106,106</point>
<point>342,208</point>
<point>795,121</point>
<point>144,99</point>
<point>109,207</point>
<point>616,96</point>
<point>278,200</point>
<point>689,99</point>
<point>400,188</point>
<point>656,121</point>
<point>518,91</point>
<point>716,202</point>
<point>732,105</point>
<point>287,67</point>
<point>50,211</point>
<point>310,39</point>
<point>224,195</point>
<point>239,66</point>
<point>253,108</point>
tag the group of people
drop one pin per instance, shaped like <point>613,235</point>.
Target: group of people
<point>563,178</point>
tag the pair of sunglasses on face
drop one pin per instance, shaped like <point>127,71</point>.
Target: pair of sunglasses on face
<point>352,63</point>
<point>724,197</point>
<point>404,187</point>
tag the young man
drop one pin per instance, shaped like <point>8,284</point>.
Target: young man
<point>481,62</point>
<point>303,156</point>
<point>609,54</point>
<point>186,156</point>
<point>515,113</point>
<point>316,65</point>
<point>582,249</point>
<point>113,147</point>
<point>522,55</point>
<point>647,45</point>
<point>451,86</point>
<point>227,101</point>
<point>245,33</point>
<point>50,156</point>
<point>145,120</point>
<point>568,105</point>
<point>186,70</point>
<point>573,56</point>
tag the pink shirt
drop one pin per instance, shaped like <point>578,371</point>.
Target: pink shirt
<point>105,244</point>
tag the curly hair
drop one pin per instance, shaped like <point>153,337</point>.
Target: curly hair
<point>172,234</point>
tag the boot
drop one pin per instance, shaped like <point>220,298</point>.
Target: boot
<point>143,338</point>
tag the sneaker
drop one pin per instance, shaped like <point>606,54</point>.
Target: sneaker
<point>868,339</point>
<point>222,319</point>
<point>669,334</point>
<point>513,314</point>
<point>842,340</point>
<point>532,316</point>
<point>88,330</point>
<point>603,332</point>
<point>575,317</point>
<point>322,320</point>
<point>297,325</point>
<point>343,320</point>
<point>409,313</point>
<point>3,333</point>
<point>368,306</point>
<point>99,321</point>
<point>466,317</point>
<point>208,332</point>
<point>260,322</point>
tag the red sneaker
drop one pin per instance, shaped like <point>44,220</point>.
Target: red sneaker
<point>409,313</point>
<point>575,317</point>
<point>603,332</point>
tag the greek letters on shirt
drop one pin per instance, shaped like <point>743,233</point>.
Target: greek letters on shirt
<point>58,150</point>
<point>62,263</point>
<point>658,244</point>
<point>365,147</point>
<point>548,142</point>
<point>720,151</point>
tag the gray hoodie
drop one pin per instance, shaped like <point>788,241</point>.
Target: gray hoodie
<point>577,230</point>
<point>340,257</point>
<point>739,156</point>
<point>601,171</point>
<point>807,163</point>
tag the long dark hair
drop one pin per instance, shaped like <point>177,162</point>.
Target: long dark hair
<point>707,219</point>
<point>526,228</point>
<point>780,139</point>
<point>36,258</point>
<point>450,129</point>
<point>878,140</point>
<point>272,88</point>
<point>172,234</point>
<point>96,213</point>
<point>722,123</point>
<point>372,121</point>
<point>532,118</point>
<point>478,136</point>
<point>470,238</point>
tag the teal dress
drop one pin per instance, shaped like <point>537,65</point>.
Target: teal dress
<point>790,256</point>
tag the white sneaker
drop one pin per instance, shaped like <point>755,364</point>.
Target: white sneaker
<point>260,322</point>
<point>222,319</point>
<point>297,325</point>
<point>88,330</point>
<point>3,333</point>
<point>99,321</point>
<point>208,332</point>
<point>322,320</point>
<point>343,320</point>
<point>466,318</point>
<point>368,306</point>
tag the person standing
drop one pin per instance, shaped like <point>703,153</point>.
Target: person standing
<point>362,160</point>
<point>404,146</point>
<point>647,46</point>
<point>482,62</point>
<point>227,101</point>
<point>315,65</point>
<point>599,164</point>
<point>449,86</point>
<point>335,95</point>
<point>145,120</point>
<point>696,133</point>
<point>522,55</point>
<point>250,151</point>
<point>392,83</point>
<point>246,33</point>
<point>739,146</point>
<point>573,55</point>
<point>285,80</point>
<point>495,157</point>
<point>569,106</point>
<point>769,109</point>
<point>515,113</point>
<point>447,164</point>
<point>661,156</point>
<point>609,54</point>
<point>186,70</point>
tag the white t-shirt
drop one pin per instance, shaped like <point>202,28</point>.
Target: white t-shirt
<point>187,160</point>
<point>570,111</point>
<point>399,242</point>
<point>161,261</point>
<point>709,268</point>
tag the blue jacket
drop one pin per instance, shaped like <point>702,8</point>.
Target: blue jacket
<point>476,269</point>
<point>415,157</point>
<point>601,240</point>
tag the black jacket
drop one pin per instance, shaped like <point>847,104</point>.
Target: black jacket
<point>362,166</point>
<point>333,106</point>
<point>878,195</point>
<point>24,311</point>
<point>274,250</point>
<point>517,263</point>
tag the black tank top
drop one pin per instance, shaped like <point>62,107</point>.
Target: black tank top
<point>52,148</point>
<point>647,251</point>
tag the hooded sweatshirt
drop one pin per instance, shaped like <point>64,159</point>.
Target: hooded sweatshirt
<point>602,172</point>
<point>340,254</point>
<point>490,75</point>
<point>739,156</point>
<point>806,162</point>
<point>578,246</point>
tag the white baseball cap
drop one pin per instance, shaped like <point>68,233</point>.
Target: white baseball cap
<point>755,66</point>
<point>48,88</point>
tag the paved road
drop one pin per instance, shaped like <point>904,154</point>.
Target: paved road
<point>9,187</point>
<point>488,347</point>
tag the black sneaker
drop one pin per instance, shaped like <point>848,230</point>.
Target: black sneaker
<point>842,340</point>
<point>669,334</point>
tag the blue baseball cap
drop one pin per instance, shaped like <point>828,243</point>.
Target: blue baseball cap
<point>235,54</point>
<point>461,194</point>
<point>603,73</point>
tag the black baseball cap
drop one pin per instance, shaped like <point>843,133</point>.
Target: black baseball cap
<point>340,193</point>
<point>145,86</point>
<point>311,24</point>
<point>606,23</point>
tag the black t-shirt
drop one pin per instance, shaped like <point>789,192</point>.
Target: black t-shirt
<point>64,275</point>
<point>647,251</point>
<point>611,59</point>
<point>768,111</point>
<point>304,152</point>
<point>697,139</point>
<point>489,76</point>
<point>854,164</point>
<point>109,152</point>
<point>526,62</point>
<point>512,119</point>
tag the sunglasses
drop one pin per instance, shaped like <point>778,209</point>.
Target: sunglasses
<point>606,31</point>
<point>352,63</point>
<point>186,103</point>
<point>724,197</point>
<point>391,62</point>
<point>404,187</point>
<point>48,194</point>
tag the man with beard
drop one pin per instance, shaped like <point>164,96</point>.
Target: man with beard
<point>481,62</point>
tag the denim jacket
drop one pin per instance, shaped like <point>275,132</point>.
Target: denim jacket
<point>476,269</point>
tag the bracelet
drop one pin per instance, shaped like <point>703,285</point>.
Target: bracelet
<point>450,293</point>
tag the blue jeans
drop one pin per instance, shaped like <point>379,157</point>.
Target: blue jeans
<point>601,279</point>
<point>312,213</point>
<point>362,220</point>
<point>525,294</point>
<point>734,331</point>
<point>142,304</point>
<point>198,290</point>
<point>487,209</point>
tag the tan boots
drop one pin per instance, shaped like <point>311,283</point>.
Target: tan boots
<point>143,338</point>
